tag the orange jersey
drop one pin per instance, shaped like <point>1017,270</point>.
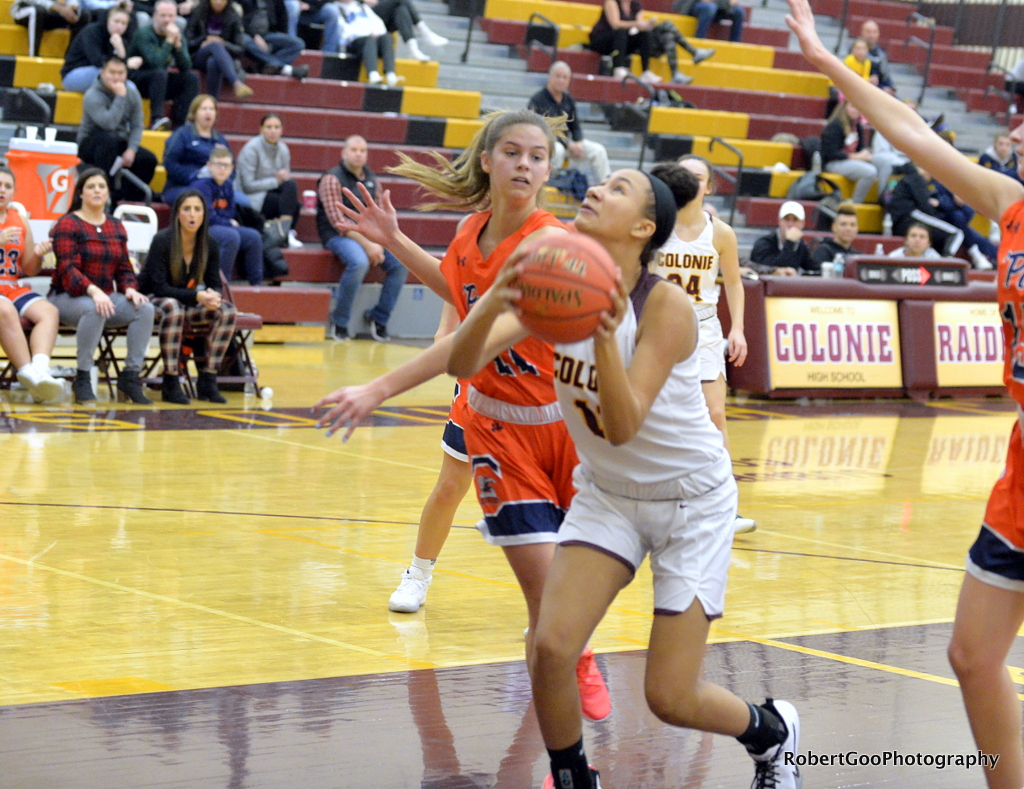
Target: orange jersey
<point>11,254</point>
<point>1010,294</point>
<point>524,374</point>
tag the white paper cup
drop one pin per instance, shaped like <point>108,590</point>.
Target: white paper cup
<point>828,269</point>
<point>51,133</point>
<point>31,132</point>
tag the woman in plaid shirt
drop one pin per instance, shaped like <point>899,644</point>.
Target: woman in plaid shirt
<point>92,259</point>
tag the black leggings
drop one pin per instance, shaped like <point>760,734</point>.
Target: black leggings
<point>398,15</point>
<point>622,44</point>
<point>282,201</point>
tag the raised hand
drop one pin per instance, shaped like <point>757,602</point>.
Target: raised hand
<point>377,220</point>
<point>801,22</point>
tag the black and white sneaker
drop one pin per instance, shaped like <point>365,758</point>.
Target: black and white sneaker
<point>338,333</point>
<point>161,124</point>
<point>378,331</point>
<point>770,768</point>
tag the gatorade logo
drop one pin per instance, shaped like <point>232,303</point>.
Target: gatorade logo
<point>58,182</point>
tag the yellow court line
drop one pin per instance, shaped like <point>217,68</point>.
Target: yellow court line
<point>252,434</point>
<point>735,410</point>
<point>924,564</point>
<point>967,408</point>
<point>214,611</point>
<point>410,417</point>
<point>903,672</point>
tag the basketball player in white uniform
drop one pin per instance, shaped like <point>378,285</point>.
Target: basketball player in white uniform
<point>654,478</point>
<point>701,246</point>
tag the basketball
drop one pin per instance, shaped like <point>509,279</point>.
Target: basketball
<point>565,280</point>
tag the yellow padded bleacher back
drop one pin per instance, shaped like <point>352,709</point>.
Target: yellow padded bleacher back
<point>438,102</point>
<point>30,72</point>
<point>672,120</point>
<point>14,41</point>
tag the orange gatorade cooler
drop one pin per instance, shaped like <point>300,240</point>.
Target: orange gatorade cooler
<point>45,175</point>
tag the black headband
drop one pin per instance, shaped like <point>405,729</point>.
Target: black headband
<point>664,211</point>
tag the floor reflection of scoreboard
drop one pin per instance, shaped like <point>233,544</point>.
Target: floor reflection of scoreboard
<point>800,457</point>
<point>966,454</point>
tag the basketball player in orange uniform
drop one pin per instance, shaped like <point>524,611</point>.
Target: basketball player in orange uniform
<point>519,450</point>
<point>20,257</point>
<point>991,607</point>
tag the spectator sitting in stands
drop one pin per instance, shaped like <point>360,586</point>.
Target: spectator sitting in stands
<point>355,252</point>
<point>187,151</point>
<point>232,238</point>
<point>953,210</point>
<point>665,37</point>
<point>30,358</point>
<point>554,100</point>
<point>90,49</point>
<point>784,252</point>
<point>161,46</point>
<point>112,127</point>
<point>886,159</point>
<point>92,259</point>
<point>50,15</point>
<point>880,74</point>
<point>1015,85</point>
<point>363,34</point>
<point>264,165</point>
<point>316,12</point>
<point>917,244</point>
<point>1000,156</point>
<point>401,15</point>
<point>858,59</point>
<point>708,11</point>
<point>844,149</point>
<point>182,274</point>
<point>914,200</point>
<point>215,39</point>
<point>844,233</point>
<point>623,30</point>
<point>265,39</point>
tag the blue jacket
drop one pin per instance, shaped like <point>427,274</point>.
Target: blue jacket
<point>220,199</point>
<point>186,153</point>
<point>990,160</point>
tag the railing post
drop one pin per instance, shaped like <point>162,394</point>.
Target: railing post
<point>997,32</point>
<point>842,26</point>
<point>650,106</point>
<point>478,11</point>
<point>738,182</point>
<point>929,47</point>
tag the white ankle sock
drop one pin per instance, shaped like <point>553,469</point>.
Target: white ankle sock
<point>286,70</point>
<point>41,361</point>
<point>425,566</point>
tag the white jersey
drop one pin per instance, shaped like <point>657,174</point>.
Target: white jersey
<point>694,265</point>
<point>676,440</point>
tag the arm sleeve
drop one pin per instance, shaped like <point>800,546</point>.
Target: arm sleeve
<point>575,131</point>
<point>329,194</point>
<point>764,255</point>
<point>832,143</point>
<point>177,171</point>
<point>124,274</point>
<point>106,117</point>
<point>807,264</point>
<point>248,166</point>
<point>66,249</point>
<point>212,275</point>
<point>822,253</point>
<point>138,119</point>
<point>158,266</point>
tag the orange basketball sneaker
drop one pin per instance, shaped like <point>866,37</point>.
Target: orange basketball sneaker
<point>594,699</point>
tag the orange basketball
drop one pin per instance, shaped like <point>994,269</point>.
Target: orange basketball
<point>566,280</point>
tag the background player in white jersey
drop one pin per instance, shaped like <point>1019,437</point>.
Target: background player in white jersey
<point>654,477</point>
<point>700,246</point>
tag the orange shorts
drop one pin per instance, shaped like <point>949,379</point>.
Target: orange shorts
<point>454,440</point>
<point>522,476</point>
<point>997,556</point>
<point>21,296</point>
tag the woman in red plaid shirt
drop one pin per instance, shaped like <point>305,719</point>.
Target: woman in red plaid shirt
<point>92,260</point>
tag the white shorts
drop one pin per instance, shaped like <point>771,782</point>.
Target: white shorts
<point>712,347</point>
<point>686,526</point>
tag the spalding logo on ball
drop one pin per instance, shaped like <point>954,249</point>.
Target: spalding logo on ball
<point>566,281</point>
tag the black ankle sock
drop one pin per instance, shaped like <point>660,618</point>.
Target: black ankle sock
<point>765,730</point>
<point>569,767</point>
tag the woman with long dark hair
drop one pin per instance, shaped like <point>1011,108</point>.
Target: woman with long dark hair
<point>183,276</point>
<point>94,286</point>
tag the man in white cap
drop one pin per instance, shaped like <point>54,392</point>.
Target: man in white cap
<point>783,252</point>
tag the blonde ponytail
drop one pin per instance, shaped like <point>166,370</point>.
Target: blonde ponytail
<point>462,184</point>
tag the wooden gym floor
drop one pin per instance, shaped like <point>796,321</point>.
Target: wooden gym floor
<point>198,597</point>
